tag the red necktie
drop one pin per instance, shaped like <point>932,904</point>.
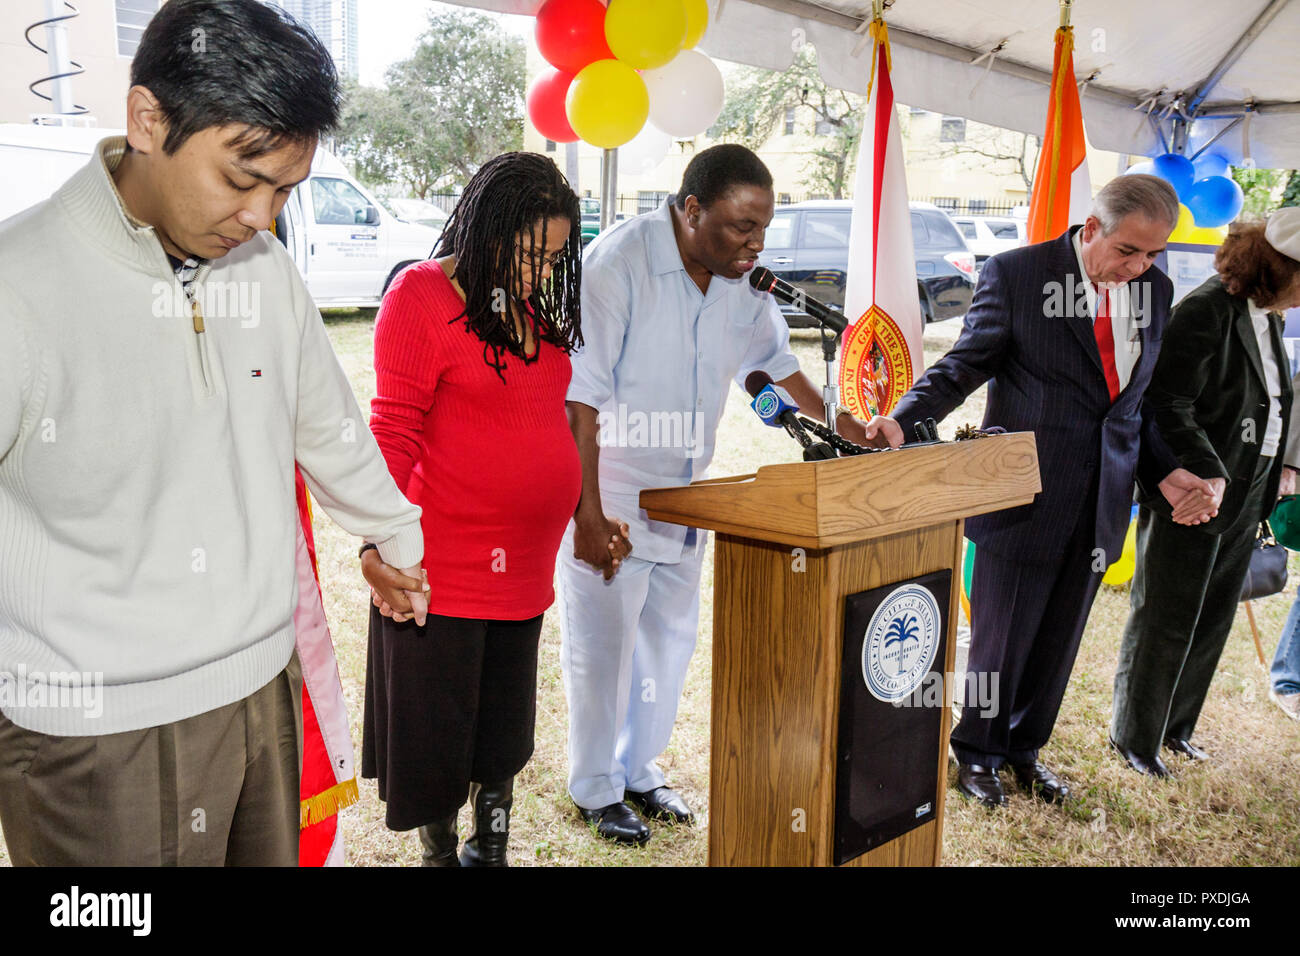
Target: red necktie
<point>1106,342</point>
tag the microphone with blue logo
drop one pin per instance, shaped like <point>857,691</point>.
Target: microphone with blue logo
<point>775,407</point>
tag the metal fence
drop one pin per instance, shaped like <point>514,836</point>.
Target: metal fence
<point>647,201</point>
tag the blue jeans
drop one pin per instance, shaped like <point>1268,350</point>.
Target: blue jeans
<point>1285,673</point>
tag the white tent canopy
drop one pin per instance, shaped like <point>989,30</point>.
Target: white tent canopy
<point>1151,68</point>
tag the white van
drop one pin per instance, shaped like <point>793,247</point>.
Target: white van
<point>346,245</point>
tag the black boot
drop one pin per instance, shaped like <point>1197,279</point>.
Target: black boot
<point>439,840</point>
<point>486,846</point>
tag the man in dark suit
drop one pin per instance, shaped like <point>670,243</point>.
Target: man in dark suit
<point>1068,332</point>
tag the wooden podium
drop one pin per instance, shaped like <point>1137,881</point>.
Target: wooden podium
<point>793,541</point>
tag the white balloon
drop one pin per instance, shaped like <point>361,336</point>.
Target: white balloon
<point>685,95</point>
<point>641,154</point>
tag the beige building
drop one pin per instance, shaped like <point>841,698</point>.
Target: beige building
<point>102,37</point>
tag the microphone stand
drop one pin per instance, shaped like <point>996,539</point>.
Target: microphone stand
<point>831,391</point>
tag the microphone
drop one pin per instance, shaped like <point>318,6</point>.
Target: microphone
<point>776,408</point>
<point>764,280</point>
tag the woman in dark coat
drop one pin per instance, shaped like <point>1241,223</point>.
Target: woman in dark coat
<point>1221,398</point>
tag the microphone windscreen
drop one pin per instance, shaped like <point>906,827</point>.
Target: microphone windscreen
<point>756,381</point>
<point>762,279</point>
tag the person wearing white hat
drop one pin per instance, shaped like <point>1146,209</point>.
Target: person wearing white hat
<point>1222,405</point>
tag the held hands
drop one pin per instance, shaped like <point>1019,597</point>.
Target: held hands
<point>601,542</point>
<point>1194,500</point>
<point>854,429</point>
<point>882,432</point>
<point>401,595</point>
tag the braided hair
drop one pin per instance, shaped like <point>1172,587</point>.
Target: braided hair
<point>490,232</point>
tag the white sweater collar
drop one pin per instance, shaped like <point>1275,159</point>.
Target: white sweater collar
<point>91,198</point>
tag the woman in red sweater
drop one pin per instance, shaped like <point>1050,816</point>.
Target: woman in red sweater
<point>472,366</point>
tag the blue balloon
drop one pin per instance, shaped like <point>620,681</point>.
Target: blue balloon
<point>1210,164</point>
<point>1146,168</point>
<point>1214,201</point>
<point>1178,171</point>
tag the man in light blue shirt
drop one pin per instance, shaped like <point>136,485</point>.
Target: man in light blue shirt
<point>668,320</point>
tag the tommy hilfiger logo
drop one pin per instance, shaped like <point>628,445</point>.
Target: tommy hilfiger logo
<point>257,373</point>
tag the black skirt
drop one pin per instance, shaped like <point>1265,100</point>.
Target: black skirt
<point>449,703</point>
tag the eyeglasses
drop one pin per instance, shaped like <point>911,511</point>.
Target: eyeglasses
<point>550,262</point>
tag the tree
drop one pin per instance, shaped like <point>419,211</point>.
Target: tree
<point>456,102</point>
<point>1291,194</point>
<point>757,101</point>
<point>1003,146</point>
<point>1259,187</point>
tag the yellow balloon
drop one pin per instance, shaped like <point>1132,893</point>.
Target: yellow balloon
<point>607,103</point>
<point>1208,235</point>
<point>1188,231</point>
<point>697,21</point>
<point>645,34</point>
<point>1122,570</point>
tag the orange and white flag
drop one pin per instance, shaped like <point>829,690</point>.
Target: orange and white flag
<point>1062,191</point>
<point>882,347</point>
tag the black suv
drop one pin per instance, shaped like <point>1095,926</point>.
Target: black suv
<point>807,245</point>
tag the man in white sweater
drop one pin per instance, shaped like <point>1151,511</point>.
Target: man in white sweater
<point>148,528</point>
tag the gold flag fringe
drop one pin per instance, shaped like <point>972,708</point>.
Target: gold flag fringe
<point>328,802</point>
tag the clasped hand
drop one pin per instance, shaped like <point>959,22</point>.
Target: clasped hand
<point>1194,500</point>
<point>400,594</point>
<point>601,542</point>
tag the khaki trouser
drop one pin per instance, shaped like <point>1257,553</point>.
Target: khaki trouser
<point>219,788</point>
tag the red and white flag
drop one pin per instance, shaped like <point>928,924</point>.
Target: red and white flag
<point>882,347</point>
<point>327,784</point>
<point>1062,191</point>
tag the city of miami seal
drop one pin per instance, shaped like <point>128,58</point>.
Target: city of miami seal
<point>900,643</point>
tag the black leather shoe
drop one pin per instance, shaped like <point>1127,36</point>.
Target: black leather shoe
<point>661,803</point>
<point>1149,766</point>
<point>491,802</point>
<point>439,842</point>
<point>1185,747</point>
<point>980,783</point>
<point>1041,782</point>
<point>618,822</point>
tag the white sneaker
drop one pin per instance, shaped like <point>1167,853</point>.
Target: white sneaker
<point>1289,704</point>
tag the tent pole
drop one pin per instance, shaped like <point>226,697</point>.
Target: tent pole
<point>608,187</point>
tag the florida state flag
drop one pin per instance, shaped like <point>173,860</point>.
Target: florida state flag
<point>1062,192</point>
<point>328,783</point>
<point>882,348</point>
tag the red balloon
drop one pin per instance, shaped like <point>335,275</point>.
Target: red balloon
<point>546,106</point>
<point>571,34</point>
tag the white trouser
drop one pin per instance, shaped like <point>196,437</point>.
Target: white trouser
<point>625,647</point>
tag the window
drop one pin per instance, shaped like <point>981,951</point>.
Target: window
<point>946,203</point>
<point>550,145</point>
<point>826,230</point>
<point>789,122</point>
<point>649,200</point>
<point>920,234</point>
<point>952,129</point>
<point>783,199</point>
<point>336,202</point>
<point>977,205</point>
<point>132,17</point>
<point>967,228</point>
<point>1002,228</point>
<point>917,111</point>
<point>780,232</point>
<point>824,127</point>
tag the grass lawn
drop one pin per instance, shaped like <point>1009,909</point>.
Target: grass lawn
<point>1239,809</point>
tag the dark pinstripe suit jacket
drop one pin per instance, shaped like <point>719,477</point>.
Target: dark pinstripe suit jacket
<point>1029,332</point>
